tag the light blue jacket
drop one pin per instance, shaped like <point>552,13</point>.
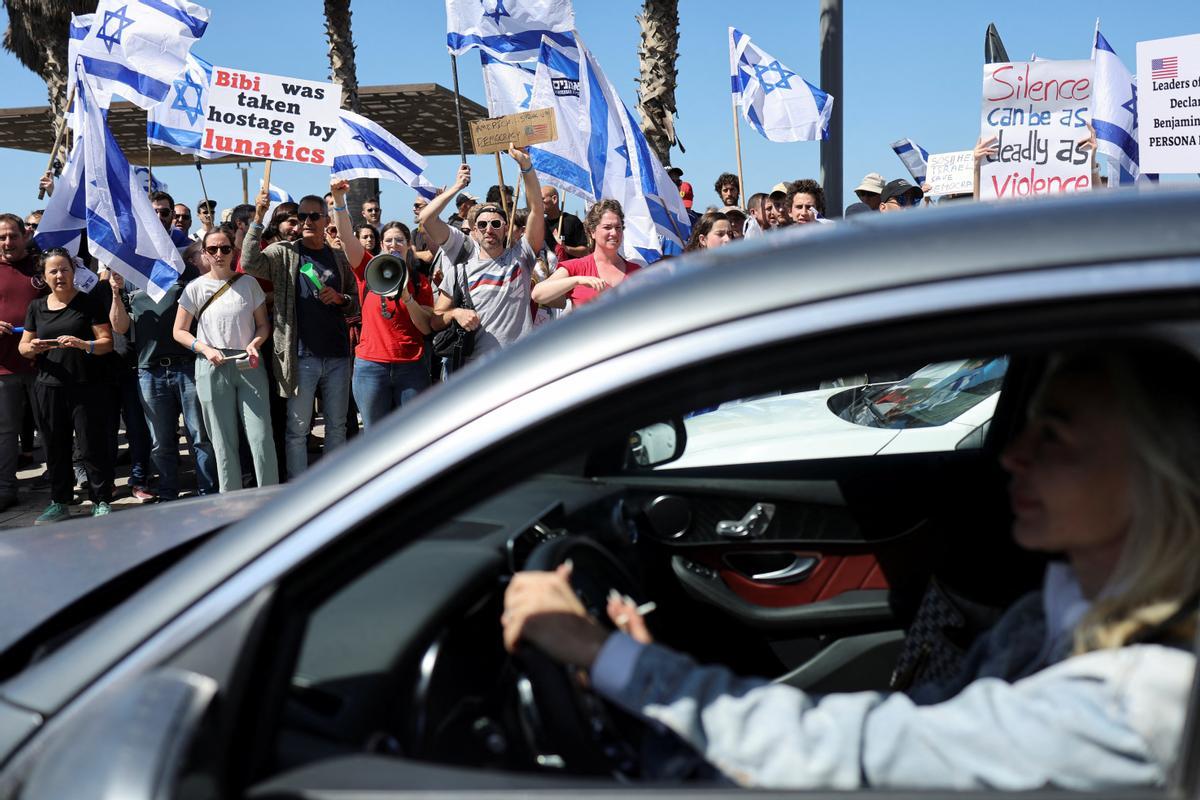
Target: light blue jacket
<point>1105,719</point>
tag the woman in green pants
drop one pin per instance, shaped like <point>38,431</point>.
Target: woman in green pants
<point>230,313</point>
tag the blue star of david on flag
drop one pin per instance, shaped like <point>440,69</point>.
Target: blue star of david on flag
<point>623,152</point>
<point>762,70</point>
<point>113,38</point>
<point>1131,106</point>
<point>498,11</point>
<point>528,96</point>
<point>192,109</point>
<point>363,141</point>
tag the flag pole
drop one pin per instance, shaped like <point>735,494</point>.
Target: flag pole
<point>58,138</point>
<point>516,202</point>
<point>267,176</point>
<point>150,173</point>
<point>737,142</point>
<point>462,146</point>
<point>203,190</point>
<point>500,175</point>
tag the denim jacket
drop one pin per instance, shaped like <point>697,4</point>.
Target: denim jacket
<point>1022,716</point>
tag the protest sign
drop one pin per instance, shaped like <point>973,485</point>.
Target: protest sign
<point>951,173</point>
<point>1168,104</point>
<point>1038,111</point>
<point>268,116</point>
<point>529,127</point>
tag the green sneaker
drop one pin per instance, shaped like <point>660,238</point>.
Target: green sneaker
<point>55,512</point>
<point>101,510</point>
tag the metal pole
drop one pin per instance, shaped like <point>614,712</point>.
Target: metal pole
<point>245,168</point>
<point>462,145</point>
<point>831,82</point>
<point>203,190</point>
<point>58,138</point>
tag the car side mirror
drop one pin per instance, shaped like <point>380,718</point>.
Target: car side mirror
<point>656,444</point>
<point>132,744</point>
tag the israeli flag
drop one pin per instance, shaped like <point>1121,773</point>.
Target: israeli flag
<point>362,149</point>
<point>1114,111</point>
<point>602,153</point>
<point>510,30</point>
<point>915,158</point>
<point>65,216</point>
<point>135,48</point>
<point>178,121</point>
<point>147,182</point>
<point>277,195</point>
<point>777,102</point>
<point>78,30</point>
<point>508,86</point>
<point>123,231</point>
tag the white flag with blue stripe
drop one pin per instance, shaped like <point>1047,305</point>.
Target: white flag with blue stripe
<point>178,121</point>
<point>123,231</point>
<point>777,102</point>
<point>1114,111</point>
<point>277,194</point>
<point>363,149</point>
<point>915,158</point>
<point>602,153</point>
<point>78,30</point>
<point>135,48</point>
<point>65,216</point>
<point>507,86</point>
<point>510,30</point>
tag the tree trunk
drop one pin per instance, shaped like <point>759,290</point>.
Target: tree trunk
<point>37,36</point>
<point>343,72</point>
<point>659,21</point>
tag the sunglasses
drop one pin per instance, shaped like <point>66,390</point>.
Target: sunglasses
<point>163,212</point>
<point>31,226</point>
<point>183,216</point>
<point>311,215</point>
<point>223,249</point>
<point>494,224</point>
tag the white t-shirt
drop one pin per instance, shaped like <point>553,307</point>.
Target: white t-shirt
<point>499,288</point>
<point>228,323</point>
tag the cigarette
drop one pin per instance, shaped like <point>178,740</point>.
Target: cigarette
<point>646,608</point>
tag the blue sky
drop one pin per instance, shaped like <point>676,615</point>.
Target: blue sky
<point>911,69</point>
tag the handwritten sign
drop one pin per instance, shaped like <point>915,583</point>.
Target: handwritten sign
<point>951,173</point>
<point>1038,111</point>
<point>1168,104</point>
<point>268,116</point>
<point>529,127</point>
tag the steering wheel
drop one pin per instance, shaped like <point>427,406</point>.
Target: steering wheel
<point>590,734</point>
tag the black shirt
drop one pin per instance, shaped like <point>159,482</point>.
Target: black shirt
<point>573,234</point>
<point>321,329</point>
<point>65,366</point>
<point>154,326</point>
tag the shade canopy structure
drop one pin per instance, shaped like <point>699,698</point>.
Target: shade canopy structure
<point>419,114</point>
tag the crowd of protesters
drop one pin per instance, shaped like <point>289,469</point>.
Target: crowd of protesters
<point>273,318</point>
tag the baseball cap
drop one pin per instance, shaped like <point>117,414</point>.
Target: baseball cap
<point>463,197</point>
<point>674,172</point>
<point>872,182</point>
<point>898,187</point>
<point>685,191</point>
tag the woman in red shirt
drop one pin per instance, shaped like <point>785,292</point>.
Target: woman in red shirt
<point>581,279</point>
<point>389,361</point>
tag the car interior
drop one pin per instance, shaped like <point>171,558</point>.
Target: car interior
<point>380,663</point>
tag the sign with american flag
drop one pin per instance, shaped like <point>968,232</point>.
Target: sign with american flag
<point>1168,105</point>
<point>493,135</point>
<point>1163,68</point>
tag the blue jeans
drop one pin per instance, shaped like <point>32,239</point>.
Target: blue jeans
<point>137,432</point>
<point>332,377</point>
<point>379,388</point>
<point>168,391</point>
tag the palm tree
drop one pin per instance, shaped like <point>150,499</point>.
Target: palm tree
<point>659,21</point>
<point>37,36</point>
<point>343,72</point>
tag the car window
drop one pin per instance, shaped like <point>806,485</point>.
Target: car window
<point>933,407</point>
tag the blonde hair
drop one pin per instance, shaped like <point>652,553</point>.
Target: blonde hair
<point>1159,568</point>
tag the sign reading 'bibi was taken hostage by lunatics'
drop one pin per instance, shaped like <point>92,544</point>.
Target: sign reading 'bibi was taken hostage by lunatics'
<point>1168,104</point>
<point>1038,112</point>
<point>268,116</point>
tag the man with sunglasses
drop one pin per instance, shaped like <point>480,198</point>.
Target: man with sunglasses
<point>314,293</point>
<point>18,288</point>
<point>164,206</point>
<point>496,276</point>
<point>899,194</point>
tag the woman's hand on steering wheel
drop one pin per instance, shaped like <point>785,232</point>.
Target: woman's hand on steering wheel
<point>542,609</point>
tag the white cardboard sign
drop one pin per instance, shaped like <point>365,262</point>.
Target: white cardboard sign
<point>270,116</point>
<point>1038,111</point>
<point>1168,104</point>
<point>951,173</point>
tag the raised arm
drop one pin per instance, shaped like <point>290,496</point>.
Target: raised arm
<point>341,218</point>
<point>535,225</point>
<point>118,316</point>
<point>435,230</point>
<point>255,260</point>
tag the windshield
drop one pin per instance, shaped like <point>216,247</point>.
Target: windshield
<point>931,396</point>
